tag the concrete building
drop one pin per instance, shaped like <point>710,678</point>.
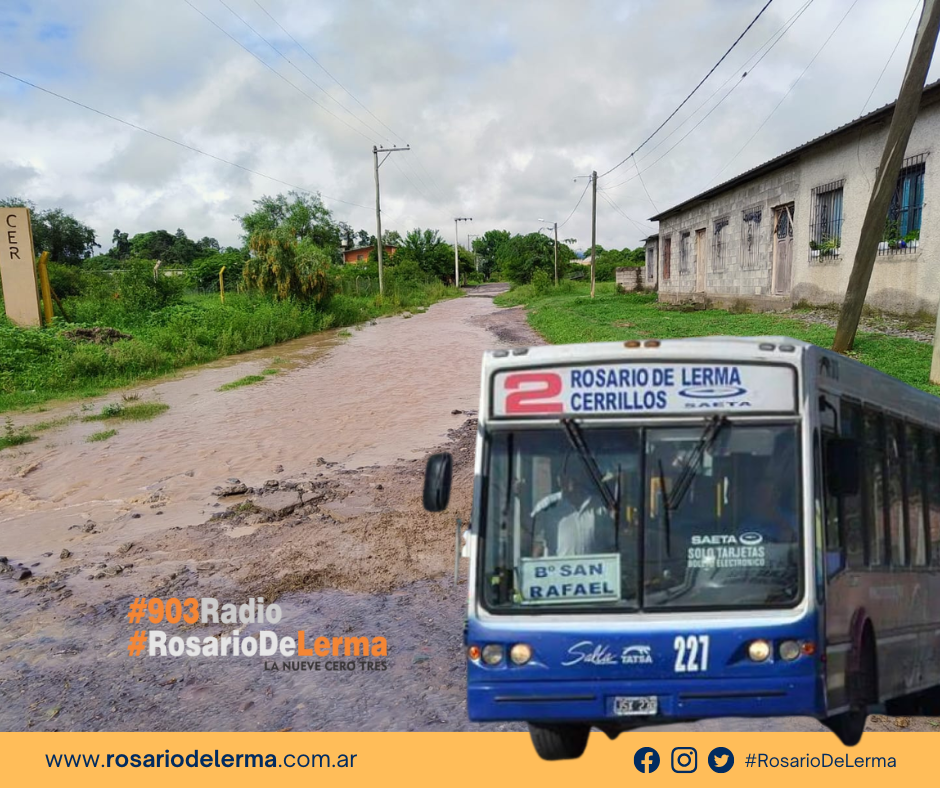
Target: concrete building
<point>787,230</point>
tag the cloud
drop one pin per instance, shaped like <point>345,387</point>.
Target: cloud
<point>503,104</point>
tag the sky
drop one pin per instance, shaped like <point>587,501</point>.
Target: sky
<point>503,104</point>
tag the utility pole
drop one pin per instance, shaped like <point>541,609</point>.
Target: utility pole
<point>593,177</point>
<point>555,225</point>
<point>593,225</point>
<point>378,210</point>
<point>556,254</point>
<point>873,227</point>
<point>457,248</point>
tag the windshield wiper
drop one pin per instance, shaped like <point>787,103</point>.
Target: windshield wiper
<point>715,425</point>
<point>576,438</point>
<point>665,502</point>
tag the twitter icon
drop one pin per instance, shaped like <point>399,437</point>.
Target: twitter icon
<point>720,760</point>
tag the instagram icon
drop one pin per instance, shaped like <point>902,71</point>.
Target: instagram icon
<point>684,759</point>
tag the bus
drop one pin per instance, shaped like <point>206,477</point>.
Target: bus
<point>667,531</point>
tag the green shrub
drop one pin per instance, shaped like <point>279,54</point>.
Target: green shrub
<point>541,282</point>
<point>66,280</point>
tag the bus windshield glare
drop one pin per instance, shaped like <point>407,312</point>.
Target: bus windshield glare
<point>626,518</point>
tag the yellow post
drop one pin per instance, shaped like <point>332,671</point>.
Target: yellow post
<point>46,287</point>
<point>221,285</point>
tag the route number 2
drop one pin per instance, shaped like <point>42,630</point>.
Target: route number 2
<point>691,653</point>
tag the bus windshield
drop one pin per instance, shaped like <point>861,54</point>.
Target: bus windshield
<point>703,516</point>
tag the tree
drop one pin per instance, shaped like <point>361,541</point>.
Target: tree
<point>120,246</point>
<point>206,246</point>
<point>522,255</point>
<point>152,245</point>
<point>364,239</point>
<point>392,238</point>
<point>302,216</point>
<point>486,247</point>
<point>67,240</point>
<point>429,252</point>
<point>288,268</point>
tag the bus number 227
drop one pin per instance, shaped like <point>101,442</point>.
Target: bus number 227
<point>691,653</point>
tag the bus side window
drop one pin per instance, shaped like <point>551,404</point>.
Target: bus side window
<point>932,468</point>
<point>897,530</point>
<point>917,522</point>
<point>831,512</point>
<point>852,512</point>
<point>874,486</point>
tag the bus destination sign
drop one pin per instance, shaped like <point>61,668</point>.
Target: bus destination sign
<point>643,389</point>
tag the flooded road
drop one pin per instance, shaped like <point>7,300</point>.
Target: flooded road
<point>330,528</point>
<point>385,392</point>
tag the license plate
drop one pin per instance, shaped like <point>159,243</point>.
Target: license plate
<point>631,707</point>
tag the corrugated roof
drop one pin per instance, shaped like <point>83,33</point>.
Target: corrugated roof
<point>931,91</point>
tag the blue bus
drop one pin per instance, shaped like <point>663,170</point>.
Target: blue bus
<point>666,531</point>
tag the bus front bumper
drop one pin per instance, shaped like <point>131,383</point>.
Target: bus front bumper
<point>591,701</point>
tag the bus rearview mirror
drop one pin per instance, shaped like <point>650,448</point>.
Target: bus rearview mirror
<point>437,480</point>
<point>842,466</point>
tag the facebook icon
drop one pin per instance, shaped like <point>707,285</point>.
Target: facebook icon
<point>646,760</point>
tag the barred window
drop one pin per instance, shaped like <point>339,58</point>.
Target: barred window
<point>902,226</point>
<point>825,232</point>
<point>720,245</point>
<point>685,251</point>
<point>750,237</point>
<point>667,256</point>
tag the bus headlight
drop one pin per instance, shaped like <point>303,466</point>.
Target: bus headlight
<point>759,650</point>
<point>790,650</point>
<point>492,654</point>
<point>520,653</point>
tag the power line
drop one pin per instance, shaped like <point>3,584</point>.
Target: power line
<point>313,82</point>
<point>576,205</point>
<point>276,72</point>
<point>917,5</point>
<point>180,144</point>
<point>774,110</point>
<point>430,179</point>
<point>711,71</point>
<point>897,43</point>
<point>413,186</point>
<point>747,71</point>
<point>628,218</point>
<point>399,136</point>
<point>781,32</point>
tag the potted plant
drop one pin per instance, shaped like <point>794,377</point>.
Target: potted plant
<point>911,239</point>
<point>829,247</point>
<point>892,236</point>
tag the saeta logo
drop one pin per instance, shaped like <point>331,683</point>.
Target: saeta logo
<point>750,538</point>
<point>712,392</point>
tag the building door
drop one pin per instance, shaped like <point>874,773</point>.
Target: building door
<point>700,260</point>
<point>667,257</point>
<point>783,248</point>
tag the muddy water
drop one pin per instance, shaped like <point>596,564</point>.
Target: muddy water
<point>385,392</point>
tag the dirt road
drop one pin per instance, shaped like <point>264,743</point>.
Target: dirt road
<point>326,458</point>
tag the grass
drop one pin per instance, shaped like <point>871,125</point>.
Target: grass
<point>245,381</point>
<point>12,436</point>
<point>95,437</point>
<point>270,371</point>
<point>142,411</point>
<point>42,364</point>
<point>572,316</point>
